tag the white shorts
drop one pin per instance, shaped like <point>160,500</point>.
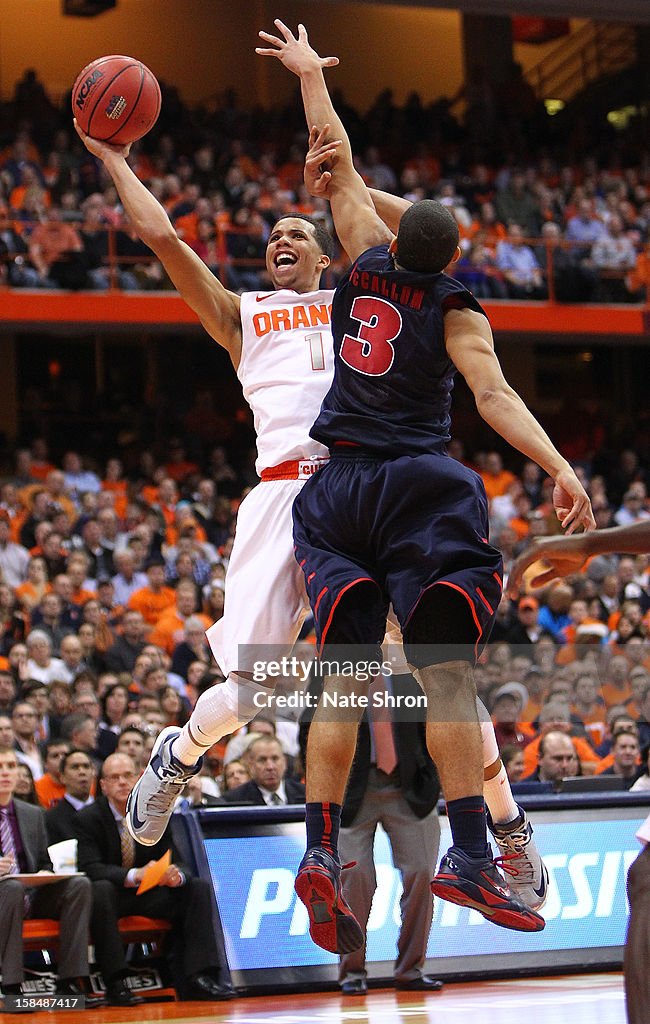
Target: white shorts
<point>265,598</point>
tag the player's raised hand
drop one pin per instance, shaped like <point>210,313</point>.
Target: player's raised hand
<point>560,556</point>
<point>295,53</point>
<point>321,157</point>
<point>98,148</point>
<point>571,503</point>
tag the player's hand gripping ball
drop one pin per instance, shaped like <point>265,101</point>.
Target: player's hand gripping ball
<point>116,99</point>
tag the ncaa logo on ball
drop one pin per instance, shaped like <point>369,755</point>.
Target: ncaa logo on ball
<point>116,107</point>
<point>82,95</point>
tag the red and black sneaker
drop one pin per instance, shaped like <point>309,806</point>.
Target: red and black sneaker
<point>476,882</point>
<point>332,925</point>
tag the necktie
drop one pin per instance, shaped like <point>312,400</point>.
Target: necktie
<point>275,799</point>
<point>382,731</point>
<point>127,846</point>
<point>7,840</point>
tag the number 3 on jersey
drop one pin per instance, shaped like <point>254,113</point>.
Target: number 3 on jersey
<point>371,352</point>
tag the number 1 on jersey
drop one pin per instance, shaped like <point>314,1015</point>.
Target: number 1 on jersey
<point>371,352</point>
<point>316,351</point>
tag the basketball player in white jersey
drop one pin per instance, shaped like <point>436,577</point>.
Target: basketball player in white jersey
<point>280,344</point>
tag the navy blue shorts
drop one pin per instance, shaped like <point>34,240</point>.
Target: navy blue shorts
<point>404,524</point>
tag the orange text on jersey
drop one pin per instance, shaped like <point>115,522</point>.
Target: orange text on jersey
<point>315,315</point>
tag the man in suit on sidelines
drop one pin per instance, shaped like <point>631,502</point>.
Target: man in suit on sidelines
<point>393,783</point>
<point>23,842</point>
<point>116,864</point>
<point>62,822</point>
<point>267,764</point>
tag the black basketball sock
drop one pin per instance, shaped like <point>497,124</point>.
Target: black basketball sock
<point>323,821</point>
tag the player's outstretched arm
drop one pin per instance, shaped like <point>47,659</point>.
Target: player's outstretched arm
<point>566,555</point>
<point>470,346</point>
<point>356,222</point>
<point>319,164</point>
<point>216,307</point>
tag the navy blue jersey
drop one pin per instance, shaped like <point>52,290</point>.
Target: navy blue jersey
<point>393,378</point>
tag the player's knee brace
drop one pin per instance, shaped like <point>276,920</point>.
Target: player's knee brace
<point>226,707</point>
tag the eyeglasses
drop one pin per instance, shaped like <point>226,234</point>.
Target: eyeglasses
<point>117,776</point>
<point>24,714</point>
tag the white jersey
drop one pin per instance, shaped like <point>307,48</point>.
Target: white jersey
<point>286,369</point>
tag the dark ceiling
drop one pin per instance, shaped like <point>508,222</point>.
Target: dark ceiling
<point>602,10</point>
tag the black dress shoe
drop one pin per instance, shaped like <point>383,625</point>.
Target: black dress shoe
<point>204,986</point>
<point>80,987</point>
<point>354,987</point>
<point>425,983</point>
<point>119,994</point>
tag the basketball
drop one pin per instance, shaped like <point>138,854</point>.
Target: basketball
<point>116,99</point>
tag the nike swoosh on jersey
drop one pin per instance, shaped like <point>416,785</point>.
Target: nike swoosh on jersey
<point>261,298</point>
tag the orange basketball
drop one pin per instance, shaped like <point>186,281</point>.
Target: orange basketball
<point>116,99</point>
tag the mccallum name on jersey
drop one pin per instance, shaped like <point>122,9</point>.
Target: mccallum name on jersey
<point>402,294</point>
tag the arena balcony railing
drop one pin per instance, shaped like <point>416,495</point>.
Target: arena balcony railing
<point>608,286</point>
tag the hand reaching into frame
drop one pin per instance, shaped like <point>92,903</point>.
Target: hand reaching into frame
<point>295,53</point>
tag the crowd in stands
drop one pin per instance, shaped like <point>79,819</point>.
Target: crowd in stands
<point>565,213</point>
<point>108,582</point>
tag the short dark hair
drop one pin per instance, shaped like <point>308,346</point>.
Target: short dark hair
<point>321,234</point>
<point>57,742</point>
<point>426,238</point>
<point>66,757</point>
<point>128,729</point>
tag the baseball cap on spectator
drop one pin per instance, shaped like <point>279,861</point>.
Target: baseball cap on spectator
<point>592,629</point>
<point>516,690</point>
<point>528,602</point>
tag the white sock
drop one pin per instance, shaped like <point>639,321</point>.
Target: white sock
<point>497,792</point>
<point>218,712</point>
<point>499,798</point>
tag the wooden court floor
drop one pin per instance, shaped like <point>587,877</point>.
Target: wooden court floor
<point>573,999</point>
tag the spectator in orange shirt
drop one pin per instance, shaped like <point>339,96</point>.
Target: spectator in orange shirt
<point>497,480</point>
<point>639,682</point>
<point>187,225</point>
<point>520,522</point>
<point>556,717</point>
<point>556,758</point>
<point>178,466</point>
<point>579,615</point>
<point>618,720</point>
<point>617,690</point>
<point>49,788</point>
<point>35,586</point>
<point>77,567</point>
<point>167,500</point>
<point>170,628</point>
<point>151,601</point>
<point>486,222</point>
<point>56,252</point>
<point>590,708</point>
